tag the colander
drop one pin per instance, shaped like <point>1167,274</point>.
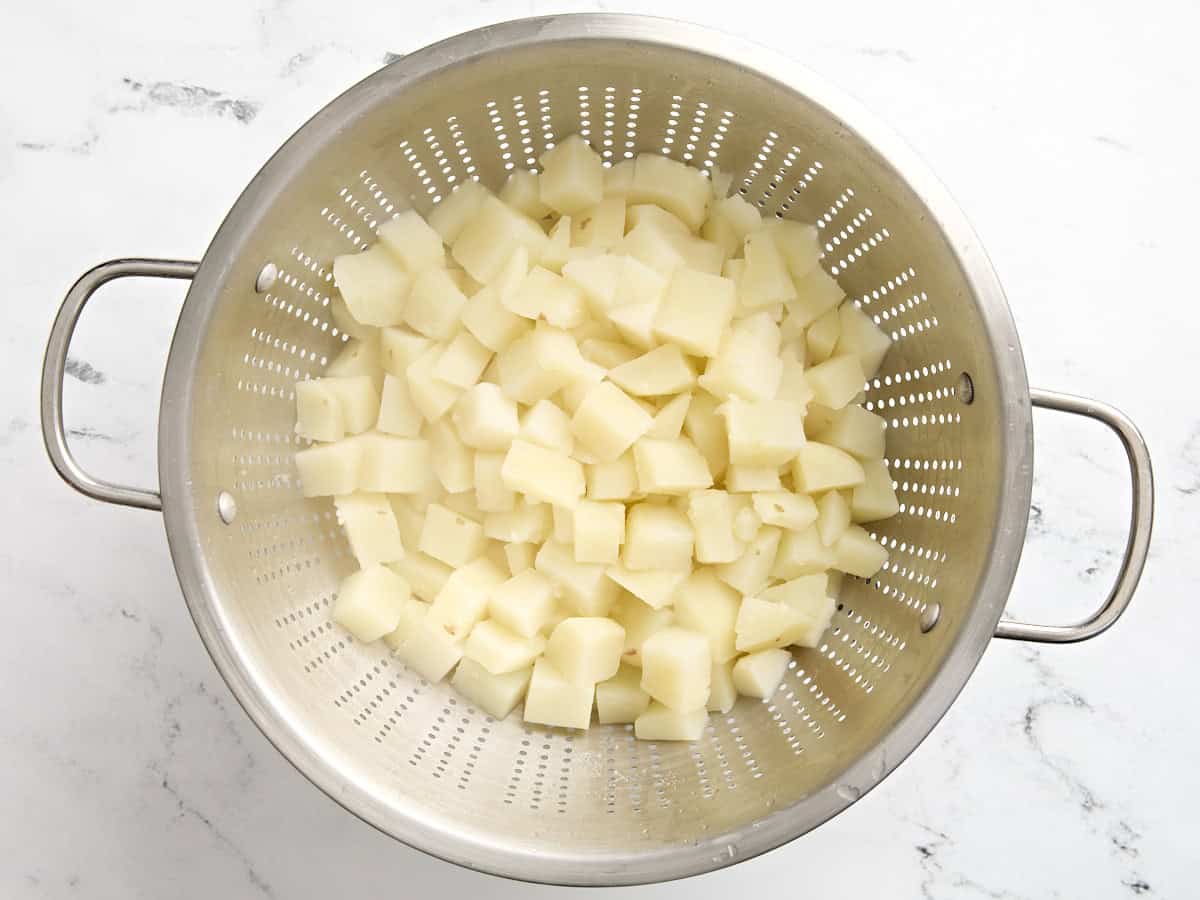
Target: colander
<point>259,564</point>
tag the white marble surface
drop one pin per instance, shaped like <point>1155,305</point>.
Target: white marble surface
<point>129,127</point>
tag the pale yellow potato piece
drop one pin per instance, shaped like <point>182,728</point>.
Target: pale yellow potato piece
<point>875,498</point>
<point>541,474</point>
<point>520,556</point>
<point>564,524</point>
<point>722,695</point>
<point>491,493</point>
<point>620,699</point>
<point>554,700</point>
<point>496,695</point>
<point>450,216</point>
<point>373,284</point>
<point>656,588</point>
<point>707,430</point>
<point>412,241</point>
<point>661,723</point>
<point>462,362</point>
<point>412,614</point>
<point>816,293</point>
<point>599,531</point>
<point>485,418</point>
<point>548,295</point>
<point>399,348</point>
<point>819,467</point>
<point>748,363</point>
<point>639,284</point>
<point>676,668</point>
<point>762,624</point>
<point>763,432</point>
<point>524,603</point>
<point>431,396</point>
<point>785,509</point>
<point>657,537</point>
<point>355,396</point>
<point>489,239</point>
<point>501,651</point>
<point>708,606</point>
<point>492,324</point>
<point>668,420</point>
<point>462,602</point>
<point>748,575</point>
<point>856,553</point>
<point>464,504</point>
<point>572,177</point>
<point>398,413</point>
<point>663,370</point>
<point>712,514</point>
<point>657,217</point>
<point>409,519</point>
<point>584,587</point>
<point>728,223</point>
<point>695,311</point>
<point>426,575</point>
<point>340,313</point>
<point>635,323</point>
<point>522,191</point>
<point>369,602</point>
<point>676,187</point>
<point>670,466</point>
<point>319,415</point>
<point>609,354</point>
<point>393,465</point>
<point>655,246</point>
<point>759,674</point>
<point>434,305</point>
<point>618,178</point>
<point>800,244</point>
<point>450,537</point>
<point>370,527</point>
<point>752,479</point>
<point>359,357</point>
<point>858,432</point>
<point>833,516</point>
<point>597,278</point>
<point>601,226</point>
<point>527,523</point>
<point>639,621</point>
<point>836,381</point>
<point>765,281</point>
<point>861,337</point>
<point>452,460</point>
<point>538,364</point>
<point>809,595</point>
<point>428,650</point>
<point>586,649</point>
<point>607,422</point>
<point>546,425</point>
<point>822,336</point>
<point>801,553</point>
<point>616,480</point>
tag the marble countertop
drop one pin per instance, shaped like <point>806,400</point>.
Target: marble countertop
<point>128,128</point>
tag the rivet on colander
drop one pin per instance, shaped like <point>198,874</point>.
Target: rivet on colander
<point>930,616</point>
<point>226,507</point>
<point>266,278</point>
<point>966,389</point>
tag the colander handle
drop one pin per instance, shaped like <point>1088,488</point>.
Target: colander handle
<point>1141,520</point>
<point>54,368</point>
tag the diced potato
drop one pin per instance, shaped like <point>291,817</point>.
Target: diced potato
<point>655,246</point>
<point>319,415</point>
<point>765,281</point>
<point>794,387</point>
<point>426,575</point>
<point>522,192</point>
<point>586,649</point>
<point>408,518</point>
<point>546,425</point>
<point>707,430</point>
<point>808,595</point>
<point>453,462</point>
<point>748,362</point>
<point>801,553</point>
<point>759,674</point>
<point>607,354</point>
<point>657,217</point>
<point>485,418</point>
<point>599,531</point>
<point>670,466</point>
<point>412,616</point>
<point>454,212</point>
<point>639,621</point>
<point>616,480</point>
<point>496,695</point>
<point>729,222</point>
<point>722,694</point>
<point>525,603</point>
<point>463,599</point>
<point>340,313</point>
<point>668,420</point>
<point>656,588</point>
<point>452,538</point>
<point>462,362</point>
<point>412,241</point>
<point>356,397</point>
<point>757,479</point>
<point>836,381</point>
<point>695,311</point>
<point>800,244</point>
<point>663,370</point>
<point>861,337</point>
<point>856,431</point>
<point>585,588</point>
<point>554,700</point>
<point>712,515</point>
<point>748,575</point>
<point>762,433</point>
<point>635,322</point>
<point>572,176</point>
<point>816,294</point>
<point>785,509</point>
<point>536,365</point>
<point>855,553</point>
<point>822,336</point>
<point>399,348</point>
<point>370,527</point>
<point>393,465</point>
<point>677,188</point>
<point>819,467</point>
<point>639,285</point>
<point>618,178</point>
<point>491,323</point>
<point>490,238</point>
<point>597,278</point>
<point>464,504</point>
<point>676,668</point>
<point>657,537</point>
<point>661,723</point>
<point>431,396</point>
<point>875,498</point>
<point>501,651</point>
<point>817,419</point>
<point>359,357</point>
<point>546,294</point>
<point>545,475</point>
<point>369,602</point>
<point>621,699</point>
<point>701,256</point>
<point>833,516</point>
<point>763,623</point>
<point>434,305</point>
<point>607,422</point>
<point>601,226</point>
<point>528,523</point>
<point>398,413</point>
<point>428,650</point>
<point>491,493</point>
<point>373,284</point>
<point>708,606</point>
<point>746,523</point>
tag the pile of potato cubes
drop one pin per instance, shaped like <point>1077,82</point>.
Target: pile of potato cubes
<point>605,452</point>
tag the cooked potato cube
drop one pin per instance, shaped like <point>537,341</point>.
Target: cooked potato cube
<point>463,600</point>
<point>450,216</point>
<point>752,479</point>
<point>525,603</point>
<point>653,245</point>
<point>554,700</point>
<point>586,649</point>
<point>657,537</point>
<point>546,294</point>
<point>785,509</point>
<point>677,188</point>
<point>657,217</point>
<point>485,418</point>
<point>431,396</point>
<point>522,191</point>
<point>536,365</point>
<point>450,537</point>
<point>833,516</point>
<point>412,616</point>
<point>607,354</point>
<point>319,415</point>
<point>801,553</point>
<point>359,357</point>
<point>398,413</point>
<point>596,278</point>
<point>655,588</point>
<point>369,603</point>
<point>464,504</point>
<point>434,305</point>
<point>676,668</point>
<point>527,523</point>
<point>546,425</point>
<point>816,294</point>
<point>836,381</point>
<point>599,531</point>
<point>729,222</point>
<point>722,694</point>
<point>856,553</point>
<point>822,336</point>
<point>607,422</point>
<point>491,323</point>
<point>759,674</point>
<point>496,695</point>
<point>670,466</point>
<point>621,699</point>
<point>762,433</point>
<point>488,241</point>
<point>635,323</point>
<point>809,596</point>
<point>875,498</point>
<point>462,362</point>
<point>748,362</point>
<point>453,462</point>
<point>520,556</point>
<point>819,467</point>
<point>412,241</point>
<point>393,465</point>
<point>545,475</point>
<point>668,420</point>
<point>618,178</point>
<point>501,651</point>
<point>762,624</point>
<point>856,431</point>
<point>663,370</point>
<point>399,348</point>
<point>712,514</point>
<point>707,430</point>
<point>661,723</point>
<point>708,606</point>
<point>765,281</point>
<point>748,575</point>
<point>800,244</point>
<point>370,527</point>
<point>355,395</point>
<point>639,621</point>
<point>491,493</point>
<point>340,313</point>
<point>373,284</point>
<point>426,575</point>
<point>695,311</point>
<point>428,650</point>
<point>584,586</point>
<point>616,480</point>
<point>602,226</point>
<point>861,337</point>
<point>572,176</point>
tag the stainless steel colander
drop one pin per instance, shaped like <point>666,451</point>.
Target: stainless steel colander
<point>259,564</point>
